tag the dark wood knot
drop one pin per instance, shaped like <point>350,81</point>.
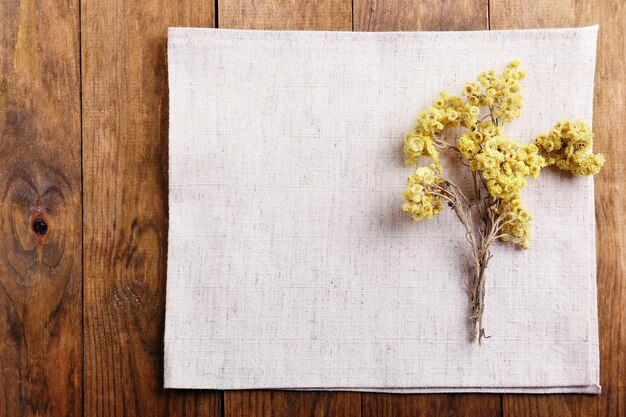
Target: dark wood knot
<point>40,227</point>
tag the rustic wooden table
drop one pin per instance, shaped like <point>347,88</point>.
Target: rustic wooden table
<point>83,202</point>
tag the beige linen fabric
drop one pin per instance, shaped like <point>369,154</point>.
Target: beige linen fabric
<point>290,262</point>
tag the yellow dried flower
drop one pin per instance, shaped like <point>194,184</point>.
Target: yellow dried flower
<point>468,145</point>
<point>503,164</point>
<point>421,196</point>
<point>515,222</point>
<point>568,146</point>
<point>515,63</point>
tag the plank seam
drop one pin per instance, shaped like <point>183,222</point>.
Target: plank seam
<point>216,15</point>
<point>82,199</point>
<point>351,14</point>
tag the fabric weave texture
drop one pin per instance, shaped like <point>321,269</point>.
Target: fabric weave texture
<point>290,262</point>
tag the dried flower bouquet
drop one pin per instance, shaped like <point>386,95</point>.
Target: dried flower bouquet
<point>498,165</point>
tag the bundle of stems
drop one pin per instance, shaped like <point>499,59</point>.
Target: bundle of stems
<point>483,223</point>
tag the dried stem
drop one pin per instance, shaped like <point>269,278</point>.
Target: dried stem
<point>482,225</point>
<point>491,226</point>
<point>480,217</point>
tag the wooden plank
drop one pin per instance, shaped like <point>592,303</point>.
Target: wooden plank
<point>295,15</point>
<point>379,15</point>
<point>291,404</point>
<point>285,14</point>
<point>40,210</point>
<point>610,90</point>
<point>408,15</point>
<point>125,157</point>
<point>431,405</point>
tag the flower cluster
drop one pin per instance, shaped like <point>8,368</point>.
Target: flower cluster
<point>567,146</point>
<point>417,145</point>
<point>503,164</point>
<point>500,164</point>
<point>499,94</point>
<point>446,112</point>
<point>422,198</point>
<point>514,221</point>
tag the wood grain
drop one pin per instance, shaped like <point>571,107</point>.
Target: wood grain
<point>40,190</point>
<point>431,405</point>
<point>125,154</point>
<point>409,15</point>
<point>285,14</point>
<point>378,15</point>
<point>288,404</point>
<point>124,158</point>
<point>297,15</point>
<point>610,99</point>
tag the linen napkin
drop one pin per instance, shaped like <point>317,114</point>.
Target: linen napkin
<point>290,262</point>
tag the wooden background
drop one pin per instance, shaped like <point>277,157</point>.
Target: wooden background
<point>83,148</point>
